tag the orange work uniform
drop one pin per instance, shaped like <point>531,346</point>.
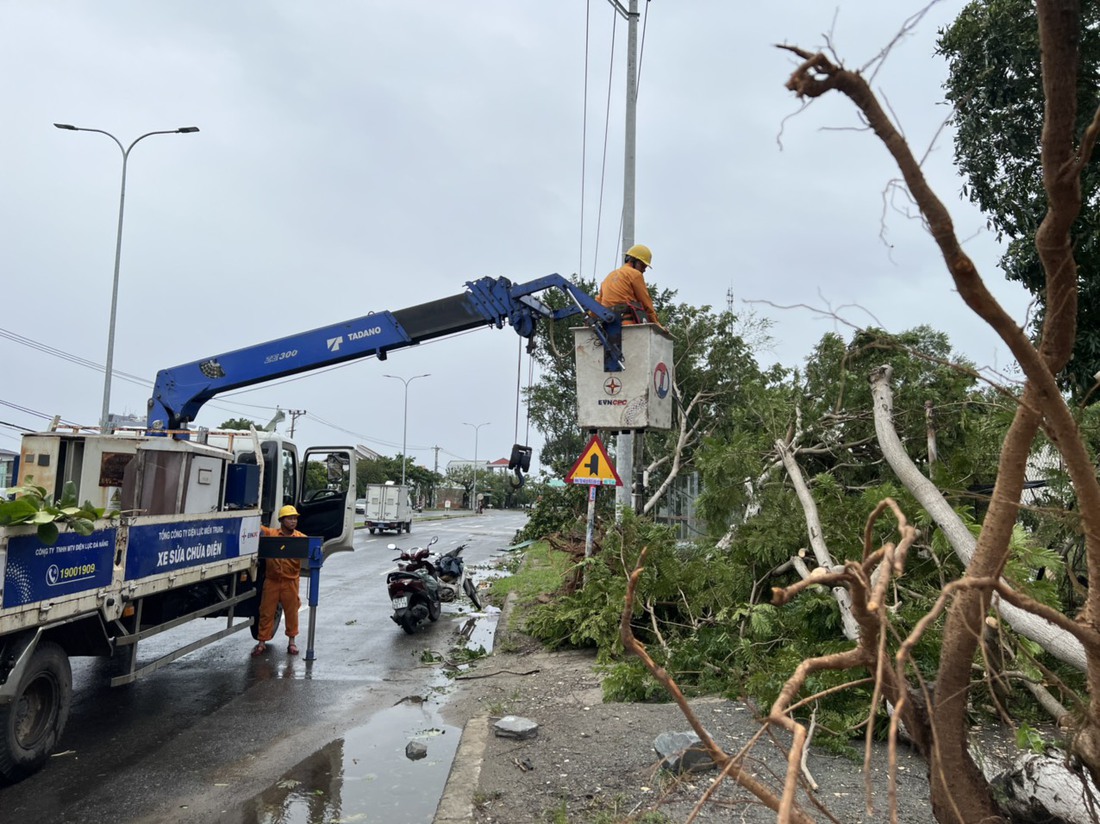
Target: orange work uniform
<point>623,287</point>
<point>281,577</point>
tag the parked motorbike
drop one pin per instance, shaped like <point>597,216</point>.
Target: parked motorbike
<point>452,577</point>
<point>414,589</point>
<point>419,586</point>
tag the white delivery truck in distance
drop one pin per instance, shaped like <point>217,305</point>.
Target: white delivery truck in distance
<point>388,507</point>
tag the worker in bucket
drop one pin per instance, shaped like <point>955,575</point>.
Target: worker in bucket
<point>625,291</point>
<point>281,579</point>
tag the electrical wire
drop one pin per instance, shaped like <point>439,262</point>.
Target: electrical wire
<point>15,426</point>
<point>519,372</point>
<point>617,10</point>
<point>584,133</point>
<point>61,354</point>
<point>33,413</point>
<point>362,437</point>
<point>530,384</point>
<point>606,127</point>
<point>67,356</point>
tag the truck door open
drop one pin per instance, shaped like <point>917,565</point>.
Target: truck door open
<point>326,500</point>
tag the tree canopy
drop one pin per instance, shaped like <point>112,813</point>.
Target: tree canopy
<point>995,85</point>
<point>238,423</point>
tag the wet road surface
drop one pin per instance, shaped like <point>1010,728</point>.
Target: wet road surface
<point>220,736</point>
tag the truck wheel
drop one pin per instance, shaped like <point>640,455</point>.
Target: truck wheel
<point>31,725</point>
<point>408,527</point>
<point>372,530</point>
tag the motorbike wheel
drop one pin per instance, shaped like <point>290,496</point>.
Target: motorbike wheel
<point>435,608</point>
<point>409,622</point>
<point>470,588</point>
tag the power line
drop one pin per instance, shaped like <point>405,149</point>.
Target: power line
<point>61,354</point>
<point>67,356</point>
<point>15,426</point>
<point>33,412</point>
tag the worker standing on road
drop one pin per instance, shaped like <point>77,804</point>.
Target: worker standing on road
<point>625,291</point>
<point>281,579</point>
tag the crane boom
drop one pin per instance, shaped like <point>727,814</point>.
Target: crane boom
<point>180,391</point>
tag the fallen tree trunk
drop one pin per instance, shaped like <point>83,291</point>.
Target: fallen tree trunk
<point>1059,643</point>
<point>817,541</point>
<point>1045,787</point>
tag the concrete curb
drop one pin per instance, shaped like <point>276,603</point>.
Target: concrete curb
<point>457,802</point>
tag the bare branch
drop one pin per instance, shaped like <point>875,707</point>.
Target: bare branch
<point>633,645</point>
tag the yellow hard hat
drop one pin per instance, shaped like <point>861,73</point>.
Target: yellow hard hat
<point>641,253</point>
<point>287,511</point>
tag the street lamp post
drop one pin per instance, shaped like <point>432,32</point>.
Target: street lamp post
<point>473,500</point>
<point>103,418</point>
<point>405,426</point>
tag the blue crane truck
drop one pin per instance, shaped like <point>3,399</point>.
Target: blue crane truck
<point>191,502</point>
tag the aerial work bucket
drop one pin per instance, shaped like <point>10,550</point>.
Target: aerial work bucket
<point>639,396</point>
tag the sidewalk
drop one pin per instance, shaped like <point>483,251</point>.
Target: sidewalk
<point>592,761</point>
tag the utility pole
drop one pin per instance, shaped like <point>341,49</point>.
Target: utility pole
<point>436,471</point>
<point>294,415</point>
<point>624,444</point>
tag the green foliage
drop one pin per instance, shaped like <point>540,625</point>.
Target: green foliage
<point>33,506</point>
<point>628,681</point>
<point>704,613</point>
<point>995,85</point>
<point>421,481</point>
<point>464,655</point>
<point>543,571</point>
<point>557,509</point>
<point>1030,739</point>
<point>1027,557</point>
<point>239,423</point>
<point>830,408</point>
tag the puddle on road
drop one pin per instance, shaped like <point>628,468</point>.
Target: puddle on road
<point>476,631</point>
<point>365,777</point>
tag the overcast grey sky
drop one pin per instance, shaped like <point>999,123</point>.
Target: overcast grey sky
<point>365,155</point>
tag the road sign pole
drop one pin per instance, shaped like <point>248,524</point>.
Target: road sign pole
<point>590,530</point>
<point>593,469</point>
<point>591,522</point>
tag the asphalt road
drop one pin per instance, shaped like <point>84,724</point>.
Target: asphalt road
<point>221,736</point>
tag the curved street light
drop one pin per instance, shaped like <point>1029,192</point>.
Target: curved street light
<point>405,426</point>
<point>103,419</point>
<point>473,498</point>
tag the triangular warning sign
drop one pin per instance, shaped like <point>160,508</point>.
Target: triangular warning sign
<point>594,468</point>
